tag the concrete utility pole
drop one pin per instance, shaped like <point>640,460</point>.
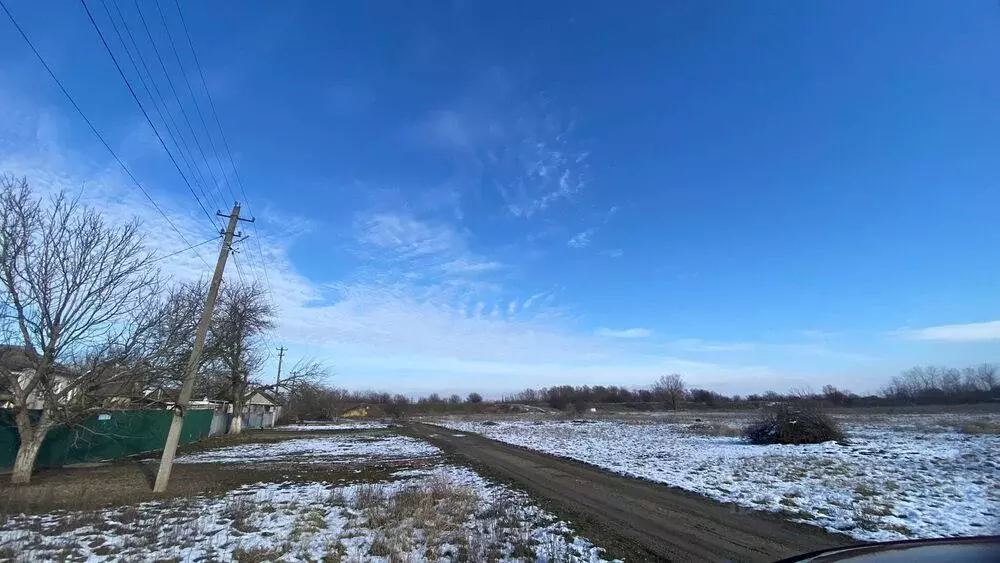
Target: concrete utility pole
<point>191,373</point>
<point>281,355</point>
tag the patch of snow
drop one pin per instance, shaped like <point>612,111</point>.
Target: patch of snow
<point>889,483</point>
<point>309,522</point>
<point>341,448</point>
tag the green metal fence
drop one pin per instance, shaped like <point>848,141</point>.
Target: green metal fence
<point>108,436</point>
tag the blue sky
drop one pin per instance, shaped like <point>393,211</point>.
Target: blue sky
<point>459,196</point>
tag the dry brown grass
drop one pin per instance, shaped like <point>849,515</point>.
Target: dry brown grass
<point>439,508</point>
<point>984,426</point>
<point>714,429</point>
<point>259,554</point>
<point>130,483</point>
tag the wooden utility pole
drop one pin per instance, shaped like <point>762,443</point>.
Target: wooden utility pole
<point>281,354</point>
<point>191,373</point>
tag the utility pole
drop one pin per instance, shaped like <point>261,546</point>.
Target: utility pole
<point>191,373</point>
<point>281,354</point>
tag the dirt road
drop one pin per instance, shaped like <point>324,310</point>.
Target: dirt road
<point>637,520</point>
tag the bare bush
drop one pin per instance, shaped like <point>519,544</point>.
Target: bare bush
<point>793,424</point>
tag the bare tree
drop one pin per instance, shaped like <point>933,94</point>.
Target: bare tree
<point>236,351</point>
<point>313,401</point>
<point>242,316</point>
<point>304,372</point>
<point>670,388</point>
<point>987,376</point>
<point>76,303</point>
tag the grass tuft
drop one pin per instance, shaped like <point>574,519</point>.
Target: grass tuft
<point>369,495</point>
<point>259,554</point>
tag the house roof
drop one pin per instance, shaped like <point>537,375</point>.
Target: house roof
<point>15,358</point>
<point>266,396</point>
<point>224,396</point>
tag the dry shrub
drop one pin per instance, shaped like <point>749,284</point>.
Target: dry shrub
<point>793,424</point>
<point>241,511</point>
<point>438,508</point>
<point>72,521</point>
<point>259,554</point>
<point>984,426</point>
<point>369,495</point>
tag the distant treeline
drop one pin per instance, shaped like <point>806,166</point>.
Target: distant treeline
<point>916,386</point>
<point>928,385</point>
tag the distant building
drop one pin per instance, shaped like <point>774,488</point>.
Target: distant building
<point>15,360</point>
<point>261,402</point>
<point>356,412</point>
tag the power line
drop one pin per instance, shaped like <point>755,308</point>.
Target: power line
<point>94,129</point>
<point>225,141</point>
<point>174,134</point>
<point>144,113</point>
<point>193,246</point>
<point>177,97</point>
<point>268,335</point>
<point>194,100</point>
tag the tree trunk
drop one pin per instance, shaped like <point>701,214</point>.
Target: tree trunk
<point>27,453</point>
<point>236,424</point>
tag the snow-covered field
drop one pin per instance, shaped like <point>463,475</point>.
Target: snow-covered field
<point>340,448</point>
<point>897,478</point>
<point>442,512</point>
<point>451,513</point>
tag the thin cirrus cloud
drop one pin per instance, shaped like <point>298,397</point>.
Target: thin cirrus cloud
<point>423,310</point>
<point>624,333</point>
<point>431,247</point>
<point>524,152</point>
<point>585,237</point>
<point>698,345</point>
<point>969,332</point>
<point>381,331</point>
<point>581,239</point>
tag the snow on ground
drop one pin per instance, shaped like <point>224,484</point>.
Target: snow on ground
<point>339,448</point>
<point>347,425</point>
<point>450,513</point>
<point>891,482</point>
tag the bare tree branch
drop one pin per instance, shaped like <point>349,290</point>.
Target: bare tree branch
<point>78,304</point>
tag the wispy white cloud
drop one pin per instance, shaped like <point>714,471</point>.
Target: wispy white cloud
<point>698,345</point>
<point>613,253</point>
<point>423,247</point>
<point>581,239</point>
<point>969,332</point>
<point>531,300</point>
<point>117,198</point>
<point>585,237</point>
<point>524,151</point>
<point>423,306</point>
<point>624,333</point>
<point>611,213</point>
